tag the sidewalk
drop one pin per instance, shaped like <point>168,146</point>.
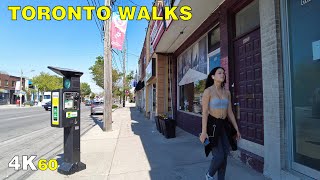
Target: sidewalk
<point>14,106</point>
<point>136,150</point>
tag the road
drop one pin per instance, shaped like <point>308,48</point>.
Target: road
<point>27,131</point>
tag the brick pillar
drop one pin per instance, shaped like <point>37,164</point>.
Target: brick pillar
<point>174,86</point>
<point>272,74</point>
<point>161,86</point>
<point>224,42</point>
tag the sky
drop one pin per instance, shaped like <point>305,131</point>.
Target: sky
<point>31,46</point>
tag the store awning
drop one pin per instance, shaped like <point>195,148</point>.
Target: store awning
<point>192,76</point>
<point>17,93</point>
<point>179,31</point>
<point>139,86</point>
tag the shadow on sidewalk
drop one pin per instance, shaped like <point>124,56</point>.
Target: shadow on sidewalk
<point>97,121</point>
<point>181,157</point>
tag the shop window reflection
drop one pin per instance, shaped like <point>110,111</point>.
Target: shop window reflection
<point>191,97</point>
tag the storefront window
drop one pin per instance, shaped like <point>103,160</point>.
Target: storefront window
<point>304,31</point>
<point>4,96</point>
<point>192,73</point>
<point>214,39</point>
<point>191,96</point>
<point>248,18</point>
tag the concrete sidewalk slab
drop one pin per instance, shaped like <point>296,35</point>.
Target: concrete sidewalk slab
<point>136,150</point>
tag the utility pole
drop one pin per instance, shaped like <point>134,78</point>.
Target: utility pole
<point>20,94</point>
<point>124,75</point>
<point>107,114</point>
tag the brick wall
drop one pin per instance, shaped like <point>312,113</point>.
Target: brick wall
<point>10,79</point>
<point>189,122</point>
<point>3,78</point>
<point>272,86</point>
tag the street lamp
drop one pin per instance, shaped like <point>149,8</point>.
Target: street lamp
<point>20,94</point>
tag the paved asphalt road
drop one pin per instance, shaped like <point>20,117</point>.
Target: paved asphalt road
<point>27,131</point>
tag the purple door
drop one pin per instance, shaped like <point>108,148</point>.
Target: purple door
<point>248,87</point>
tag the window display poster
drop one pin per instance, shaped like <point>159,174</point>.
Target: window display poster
<point>214,60</point>
<point>202,56</point>
<point>193,62</point>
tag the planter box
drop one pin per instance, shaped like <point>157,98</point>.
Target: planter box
<point>156,119</point>
<point>168,127</point>
<point>162,126</point>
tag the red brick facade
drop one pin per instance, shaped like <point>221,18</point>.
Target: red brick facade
<point>10,79</point>
<point>224,15</point>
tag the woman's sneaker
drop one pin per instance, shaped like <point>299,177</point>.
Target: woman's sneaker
<point>208,177</point>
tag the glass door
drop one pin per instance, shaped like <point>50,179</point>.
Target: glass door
<point>304,53</point>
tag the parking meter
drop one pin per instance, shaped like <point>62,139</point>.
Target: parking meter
<point>65,113</point>
<point>65,108</point>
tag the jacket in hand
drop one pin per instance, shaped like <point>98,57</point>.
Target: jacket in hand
<point>214,131</point>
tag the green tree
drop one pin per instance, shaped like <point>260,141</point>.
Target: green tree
<point>116,76</point>
<point>129,78</point>
<point>97,72</point>
<point>47,82</point>
<point>93,95</point>
<point>85,89</point>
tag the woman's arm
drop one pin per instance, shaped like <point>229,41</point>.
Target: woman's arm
<point>231,115</point>
<point>205,101</point>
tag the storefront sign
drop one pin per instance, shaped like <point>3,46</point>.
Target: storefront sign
<point>157,29</point>
<point>154,31</point>
<point>303,2</point>
<point>17,86</point>
<point>316,50</point>
<point>168,22</point>
<point>150,70</point>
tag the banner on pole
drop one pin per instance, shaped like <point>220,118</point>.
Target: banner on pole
<point>118,31</point>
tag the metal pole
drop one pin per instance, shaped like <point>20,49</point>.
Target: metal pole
<point>107,115</point>
<point>124,75</point>
<point>21,89</point>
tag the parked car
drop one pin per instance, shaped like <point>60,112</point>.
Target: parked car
<point>47,106</point>
<point>88,103</point>
<point>97,107</point>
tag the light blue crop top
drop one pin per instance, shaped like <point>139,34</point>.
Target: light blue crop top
<point>216,103</point>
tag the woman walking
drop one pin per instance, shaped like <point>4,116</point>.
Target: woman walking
<point>216,107</point>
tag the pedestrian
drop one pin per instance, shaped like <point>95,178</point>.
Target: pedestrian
<point>221,133</point>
